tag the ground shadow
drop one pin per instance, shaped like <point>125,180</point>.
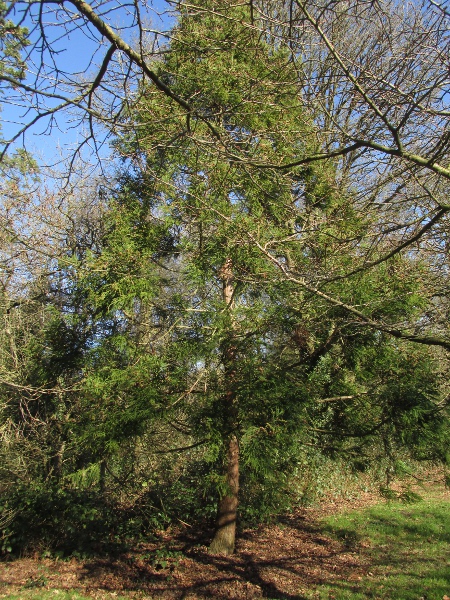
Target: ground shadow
<point>280,561</point>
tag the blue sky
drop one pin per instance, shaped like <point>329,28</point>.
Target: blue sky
<point>74,52</point>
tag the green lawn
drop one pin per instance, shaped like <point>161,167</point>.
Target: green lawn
<point>46,595</point>
<point>58,595</point>
<point>407,549</point>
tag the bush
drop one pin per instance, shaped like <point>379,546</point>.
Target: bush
<point>62,520</point>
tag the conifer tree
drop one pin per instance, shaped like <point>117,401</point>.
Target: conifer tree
<point>191,311</point>
<point>218,205</point>
<point>225,226</point>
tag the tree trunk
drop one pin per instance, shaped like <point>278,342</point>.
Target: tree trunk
<point>225,534</point>
<point>56,463</point>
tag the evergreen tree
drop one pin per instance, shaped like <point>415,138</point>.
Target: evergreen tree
<point>177,316</point>
<point>258,343</point>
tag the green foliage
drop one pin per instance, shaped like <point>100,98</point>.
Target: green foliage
<point>135,369</point>
<point>52,518</point>
<point>13,40</point>
<point>182,212</point>
<point>75,521</point>
<point>161,558</point>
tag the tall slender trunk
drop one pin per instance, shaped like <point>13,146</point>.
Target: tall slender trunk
<point>55,466</point>
<point>225,534</point>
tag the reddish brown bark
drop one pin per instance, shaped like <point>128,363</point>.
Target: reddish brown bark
<point>225,534</point>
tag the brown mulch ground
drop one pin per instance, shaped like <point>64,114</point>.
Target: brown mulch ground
<point>273,561</point>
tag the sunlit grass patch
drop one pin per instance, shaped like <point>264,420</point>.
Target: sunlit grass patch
<point>28,594</point>
<point>56,594</point>
<point>407,552</point>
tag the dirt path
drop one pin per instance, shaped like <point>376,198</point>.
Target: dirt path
<point>276,561</point>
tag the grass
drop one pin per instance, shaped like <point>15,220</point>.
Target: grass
<point>406,547</point>
<point>46,595</point>
<point>56,594</point>
<point>404,551</point>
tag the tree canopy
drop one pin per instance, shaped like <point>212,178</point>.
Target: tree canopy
<point>263,273</point>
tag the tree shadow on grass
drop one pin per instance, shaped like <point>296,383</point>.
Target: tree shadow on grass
<point>406,550</point>
<point>290,559</point>
<point>286,560</point>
